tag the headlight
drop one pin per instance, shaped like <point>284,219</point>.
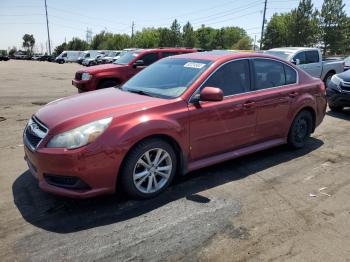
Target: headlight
<point>86,76</point>
<point>80,136</point>
<point>336,81</point>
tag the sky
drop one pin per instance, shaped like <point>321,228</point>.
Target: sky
<point>71,18</point>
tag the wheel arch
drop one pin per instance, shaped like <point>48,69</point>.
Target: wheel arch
<point>313,114</point>
<point>181,167</point>
<point>332,71</point>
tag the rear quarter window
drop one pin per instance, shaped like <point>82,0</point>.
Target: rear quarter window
<point>291,75</point>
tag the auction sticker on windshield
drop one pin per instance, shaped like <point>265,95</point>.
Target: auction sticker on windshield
<point>194,65</point>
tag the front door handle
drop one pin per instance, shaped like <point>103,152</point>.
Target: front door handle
<point>293,94</point>
<point>249,104</point>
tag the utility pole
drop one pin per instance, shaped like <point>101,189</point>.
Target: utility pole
<point>132,29</point>
<point>48,31</point>
<point>254,42</point>
<point>263,25</point>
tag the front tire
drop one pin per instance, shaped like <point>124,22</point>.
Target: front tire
<point>300,130</point>
<point>148,169</point>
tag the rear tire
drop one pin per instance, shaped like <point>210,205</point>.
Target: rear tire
<point>300,130</point>
<point>107,84</point>
<point>336,108</point>
<point>148,169</point>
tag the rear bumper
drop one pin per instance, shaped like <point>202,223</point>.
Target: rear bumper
<point>336,98</point>
<point>96,173</point>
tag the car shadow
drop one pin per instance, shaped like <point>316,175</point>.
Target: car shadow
<point>62,215</point>
<point>344,114</point>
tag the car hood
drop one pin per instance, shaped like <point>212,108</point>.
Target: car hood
<point>80,109</point>
<point>345,76</point>
<point>100,68</point>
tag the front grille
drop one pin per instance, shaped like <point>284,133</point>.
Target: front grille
<point>346,86</point>
<point>78,76</point>
<point>34,133</point>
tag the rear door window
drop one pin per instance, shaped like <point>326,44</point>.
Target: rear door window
<point>301,56</point>
<point>268,73</point>
<point>312,57</point>
<point>233,78</point>
<point>149,58</point>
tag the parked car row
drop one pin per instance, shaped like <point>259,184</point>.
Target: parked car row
<point>176,110</point>
<point>89,57</point>
<point>4,58</point>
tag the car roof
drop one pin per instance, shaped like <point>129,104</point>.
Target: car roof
<point>289,49</point>
<point>222,55</point>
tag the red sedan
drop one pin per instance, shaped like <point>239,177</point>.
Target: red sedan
<point>180,114</point>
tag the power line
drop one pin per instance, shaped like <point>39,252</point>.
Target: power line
<point>85,16</point>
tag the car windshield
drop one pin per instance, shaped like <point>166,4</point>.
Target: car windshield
<point>347,60</point>
<point>126,58</point>
<point>280,54</point>
<point>167,78</point>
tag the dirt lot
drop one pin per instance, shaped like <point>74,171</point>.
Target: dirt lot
<point>254,208</point>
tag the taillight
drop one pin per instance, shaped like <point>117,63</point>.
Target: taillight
<point>322,88</point>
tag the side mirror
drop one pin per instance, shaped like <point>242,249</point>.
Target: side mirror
<point>138,63</point>
<point>211,94</point>
<point>296,61</point>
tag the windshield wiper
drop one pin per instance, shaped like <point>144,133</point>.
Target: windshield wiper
<point>139,92</point>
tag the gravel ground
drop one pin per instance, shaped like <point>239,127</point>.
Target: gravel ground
<point>255,208</point>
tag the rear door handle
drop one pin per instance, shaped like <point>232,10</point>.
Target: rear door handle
<point>249,104</point>
<point>293,94</point>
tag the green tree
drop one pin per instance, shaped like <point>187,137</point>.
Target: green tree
<point>333,26</point>
<point>175,35</point>
<point>206,37</point>
<point>277,31</point>
<point>232,35</point>
<point>12,51</point>
<point>245,43</point>
<point>147,38</point>
<point>303,24</point>
<point>165,37</point>
<point>188,36</point>
<point>60,48</point>
<point>77,44</point>
<point>28,43</point>
<point>97,40</point>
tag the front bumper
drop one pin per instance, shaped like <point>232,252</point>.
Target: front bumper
<point>84,86</point>
<point>335,98</point>
<point>97,172</point>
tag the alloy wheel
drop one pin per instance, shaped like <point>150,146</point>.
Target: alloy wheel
<point>152,170</point>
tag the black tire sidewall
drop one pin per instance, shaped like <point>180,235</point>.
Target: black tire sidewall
<point>126,174</point>
<point>292,132</point>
